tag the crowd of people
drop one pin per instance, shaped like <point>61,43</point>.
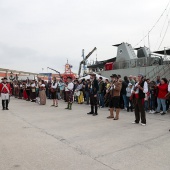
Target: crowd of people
<point>131,93</point>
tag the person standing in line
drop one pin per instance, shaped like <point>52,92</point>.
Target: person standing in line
<point>152,97</point>
<point>158,80</point>
<point>42,93</point>
<point>61,86</point>
<point>123,92</point>
<point>87,91</point>
<point>101,92</point>
<point>70,87</point>
<point>15,89</point>
<point>161,99</point>
<point>115,96</point>
<point>54,92</point>
<point>94,87</point>
<point>131,80</point>
<point>20,90</point>
<point>28,89</point>
<point>128,94</point>
<point>33,91</point>
<point>139,91</point>
<point>25,96</point>
<point>5,90</point>
<point>80,90</point>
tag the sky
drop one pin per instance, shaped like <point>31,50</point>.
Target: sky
<point>36,34</point>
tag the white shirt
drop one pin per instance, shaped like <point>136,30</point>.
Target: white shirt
<point>42,85</point>
<point>54,86</point>
<point>169,87</point>
<point>27,85</point>
<point>33,85</point>
<point>66,89</point>
<point>145,88</point>
<point>70,86</point>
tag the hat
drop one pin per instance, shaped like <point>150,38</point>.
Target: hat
<point>130,84</point>
<point>114,76</point>
<point>140,74</point>
<point>5,78</point>
<point>92,74</point>
<point>69,77</point>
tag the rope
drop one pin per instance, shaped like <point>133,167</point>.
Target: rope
<point>154,24</point>
<point>164,34</point>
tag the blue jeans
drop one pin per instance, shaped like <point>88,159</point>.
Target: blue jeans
<point>146,105</point>
<point>152,104</point>
<point>87,97</point>
<point>101,99</point>
<point>161,102</point>
<point>125,101</point>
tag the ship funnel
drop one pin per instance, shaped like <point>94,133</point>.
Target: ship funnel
<point>125,52</point>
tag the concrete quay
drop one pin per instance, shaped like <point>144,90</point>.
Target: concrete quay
<point>34,137</point>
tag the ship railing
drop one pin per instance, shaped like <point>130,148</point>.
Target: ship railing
<point>138,62</point>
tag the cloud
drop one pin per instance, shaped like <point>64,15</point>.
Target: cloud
<point>37,34</point>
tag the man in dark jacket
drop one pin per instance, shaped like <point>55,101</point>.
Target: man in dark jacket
<point>101,91</point>
<point>94,87</point>
<point>123,91</point>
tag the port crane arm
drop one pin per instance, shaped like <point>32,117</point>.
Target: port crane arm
<point>84,60</point>
<point>55,71</point>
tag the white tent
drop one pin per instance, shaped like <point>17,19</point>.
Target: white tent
<point>97,76</point>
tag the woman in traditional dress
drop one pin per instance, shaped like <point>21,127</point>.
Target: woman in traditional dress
<point>25,96</point>
<point>42,93</point>
<point>79,90</point>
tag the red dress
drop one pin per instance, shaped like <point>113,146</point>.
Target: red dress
<point>25,96</point>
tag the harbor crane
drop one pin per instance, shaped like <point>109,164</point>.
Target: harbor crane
<point>84,61</point>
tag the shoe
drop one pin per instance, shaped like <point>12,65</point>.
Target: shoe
<point>90,113</point>
<point>3,109</point>
<point>150,111</point>
<point>163,113</point>
<point>52,105</point>
<point>143,124</point>
<point>115,119</point>
<point>95,114</point>
<point>156,112</point>
<point>7,109</point>
<point>110,117</point>
<point>153,111</point>
<point>135,122</point>
<point>56,106</point>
